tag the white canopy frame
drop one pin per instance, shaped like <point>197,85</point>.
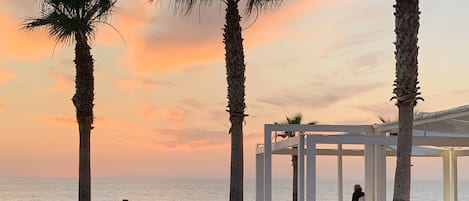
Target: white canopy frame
<point>448,130</point>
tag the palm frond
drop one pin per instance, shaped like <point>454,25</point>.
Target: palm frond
<point>252,5</point>
<point>67,19</point>
<point>296,119</point>
<point>185,6</point>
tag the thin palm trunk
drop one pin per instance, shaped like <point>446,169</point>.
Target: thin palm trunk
<point>294,160</point>
<point>235,67</point>
<point>83,101</point>
<point>406,90</point>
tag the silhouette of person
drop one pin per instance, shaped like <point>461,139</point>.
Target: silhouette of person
<point>358,194</point>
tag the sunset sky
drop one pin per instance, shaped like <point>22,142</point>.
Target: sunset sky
<point>161,95</point>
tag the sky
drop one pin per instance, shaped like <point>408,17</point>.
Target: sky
<point>160,92</point>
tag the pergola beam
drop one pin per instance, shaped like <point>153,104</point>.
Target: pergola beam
<point>320,128</point>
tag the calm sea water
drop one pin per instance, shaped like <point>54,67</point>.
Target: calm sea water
<point>27,189</point>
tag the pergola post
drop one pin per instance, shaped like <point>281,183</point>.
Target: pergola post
<point>369,172</point>
<point>380,173</point>
<point>260,177</point>
<point>454,173</point>
<point>446,176</point>
<point>267,163</point>
<point>311,169</point>
<point>301,168</point>
<point>340,183</point>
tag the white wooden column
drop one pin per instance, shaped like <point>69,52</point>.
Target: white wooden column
<point>446,176</point>
<point>267,164</point>
<point>311,169</point>
<point>260,177</point>
<point>454,174</point>
<point>369,173</point>
<point>380,172</point>
<point>340,183</point>
<point>301,168</point>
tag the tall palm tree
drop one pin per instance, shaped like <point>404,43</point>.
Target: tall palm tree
<point>405,90</point>
<point>296,119</point>
<point>71,21</point>
<point>235,68</point>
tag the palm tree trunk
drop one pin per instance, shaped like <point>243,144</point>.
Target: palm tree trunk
<point>294,160</point>
<point>83,101</point>
<point>236,178</point>
<point>235,67</point>
<point>406,90</point>
<point>404,150</point>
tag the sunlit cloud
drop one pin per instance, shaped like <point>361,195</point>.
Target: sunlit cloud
<point>6,74</point>
<point>192,139</point>
<point>193,103</point>
<point>20,44</point>
<point>200,70</point>
<point>61,82</point>
<point>1,109</point>
<point>188,42</point>
<point>148,112</point>
<point>318,95</point>
<point>59,120</point>
<point>175,116</point>
<point>139,82</point>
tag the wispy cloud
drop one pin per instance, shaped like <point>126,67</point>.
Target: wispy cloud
<point>318,95</point>
<point>139,82</point>
<point>193,103</point>
<point>6,74</point>
<point>185,42</point>
<point>60,120</point>
<point>61,82</point>
<point>1,109</point>
<point>192,139</point>
<point>175,116</point>
<point>149,112</point>
<point>19,44</point>
<point>387,110</point>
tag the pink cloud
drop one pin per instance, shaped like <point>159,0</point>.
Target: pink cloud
<point>160,42</point>
<point>6,74</point>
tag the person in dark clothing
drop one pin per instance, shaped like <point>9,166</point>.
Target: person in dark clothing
<point>357,192</point>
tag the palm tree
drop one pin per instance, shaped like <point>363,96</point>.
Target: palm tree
<point>296,119</point>
<point>235,68</point>
<point>71,21</point>
<point>405,89</point>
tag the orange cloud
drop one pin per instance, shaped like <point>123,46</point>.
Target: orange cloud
<point>160,42</point>
<point>148,112</point>
<point>175,116</point>
<point>61,120</point>
<point>18,44</point>
<point>99,122</point>
<point>5,75</point>
<point>193,102</point>
<point>62,82</point>
<point>138,82</point>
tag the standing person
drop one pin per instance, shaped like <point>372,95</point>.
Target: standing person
<point>358,194</point>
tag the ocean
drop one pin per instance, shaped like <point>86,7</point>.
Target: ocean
<point>153,189</point>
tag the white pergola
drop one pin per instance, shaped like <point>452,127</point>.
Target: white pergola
<point>442,134</point>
